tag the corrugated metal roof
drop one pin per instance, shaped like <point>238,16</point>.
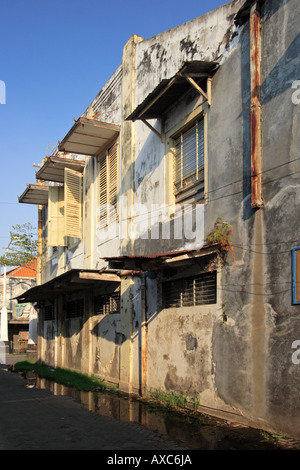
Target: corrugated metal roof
<point>150,256</point>
<point>168,91</point>
<point>170,254</point>
<point>72,281</point>
<point>88,137</point>
<point>35,194</point>
<point>53,169</point>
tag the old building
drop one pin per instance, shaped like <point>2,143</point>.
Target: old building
<point>168,215</point>
<point>22,317</point>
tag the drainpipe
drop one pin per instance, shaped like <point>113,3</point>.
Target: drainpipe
<point>255,75</point>
<point>143,338</point>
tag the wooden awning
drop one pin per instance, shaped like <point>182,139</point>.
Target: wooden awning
<point>35,194</point>
<point>72,281</point>
<point>169,92</point>
<point>89,137</point>
<point>53,168</point>
<point>158,261</point>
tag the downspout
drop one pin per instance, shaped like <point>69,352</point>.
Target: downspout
<point>258,314</point>
<point>40,247</point>
<point>144,329</point>
<point>255,76</point>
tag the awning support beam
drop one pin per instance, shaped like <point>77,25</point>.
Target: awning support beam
<point>159,134</point>
<point>192,82</point>
<point>184,73</point>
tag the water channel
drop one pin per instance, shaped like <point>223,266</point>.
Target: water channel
<point>189,431</point>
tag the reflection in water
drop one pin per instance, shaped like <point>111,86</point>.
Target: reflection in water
<point>206,434</point>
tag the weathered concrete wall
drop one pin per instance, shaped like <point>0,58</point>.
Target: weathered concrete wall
<point>250,356</point>
<point>206,38</point>
<point>179,347</point>
<point>88,251</point>
<point>281,185</point>
<point>244,365</point>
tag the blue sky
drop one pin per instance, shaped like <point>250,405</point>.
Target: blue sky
<point>55,57</point>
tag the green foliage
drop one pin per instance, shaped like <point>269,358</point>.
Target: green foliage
<point>174,400</point>
<point>23,246</point>
<point>223,314</point>
<point>221,236</point>
<point>65,377</point>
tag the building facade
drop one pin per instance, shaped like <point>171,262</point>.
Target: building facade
<point>169,242</point>
<point>22,317</point>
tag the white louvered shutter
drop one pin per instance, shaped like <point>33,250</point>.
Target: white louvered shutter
<point>56,216</point>
<point>73,203</point>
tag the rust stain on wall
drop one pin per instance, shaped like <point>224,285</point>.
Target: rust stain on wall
<point>255,65</point>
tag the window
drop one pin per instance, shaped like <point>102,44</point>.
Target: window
<point>189,162</point>
<point>191,291</point>
<point>56,216</point>
<point>108,186</point>
<point>296,275</point>
<point>73,203</point>
<point>109,303</point>
<point>49,312</point>
<point>75,308</point>
<point>65,209</point>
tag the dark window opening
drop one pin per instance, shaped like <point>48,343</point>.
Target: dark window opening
<point>75,308</point>
<point>49,312</point>
<point>191,291</point>
<point>108,303</point>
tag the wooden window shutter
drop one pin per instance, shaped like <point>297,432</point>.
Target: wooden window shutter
<point>102,190</point>
<point>56,216</point>
<point>108,186</point>
<point>73,203</point>
<point>113,181</point>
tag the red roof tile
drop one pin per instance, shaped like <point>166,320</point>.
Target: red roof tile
<point>27,270</point>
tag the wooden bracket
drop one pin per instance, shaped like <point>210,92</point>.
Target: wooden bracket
<point>206,96</point>
<point>159,134</point>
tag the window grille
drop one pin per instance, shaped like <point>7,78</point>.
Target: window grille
<point>75,308</point>
<point>189,158</point>
<point>191,291</point>
<point>109,303</point>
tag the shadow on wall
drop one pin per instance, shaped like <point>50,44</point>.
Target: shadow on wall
<point>282,76</point>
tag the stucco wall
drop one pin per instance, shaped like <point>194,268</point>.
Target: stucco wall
<point>250,356</point>
<point>243,365</point>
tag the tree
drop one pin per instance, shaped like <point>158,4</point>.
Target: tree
<point>23,246</point>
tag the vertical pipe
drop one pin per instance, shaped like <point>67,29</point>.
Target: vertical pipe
<point>255,74</point>
<point>143,338</point>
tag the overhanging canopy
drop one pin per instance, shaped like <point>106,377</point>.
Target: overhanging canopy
<point>89,137</point>
<point>66,283</point>
<point>169,91</point>
<point>53,168</point>
<point>160,260</point>
<point>35,194</point>
<point>243,14</point>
